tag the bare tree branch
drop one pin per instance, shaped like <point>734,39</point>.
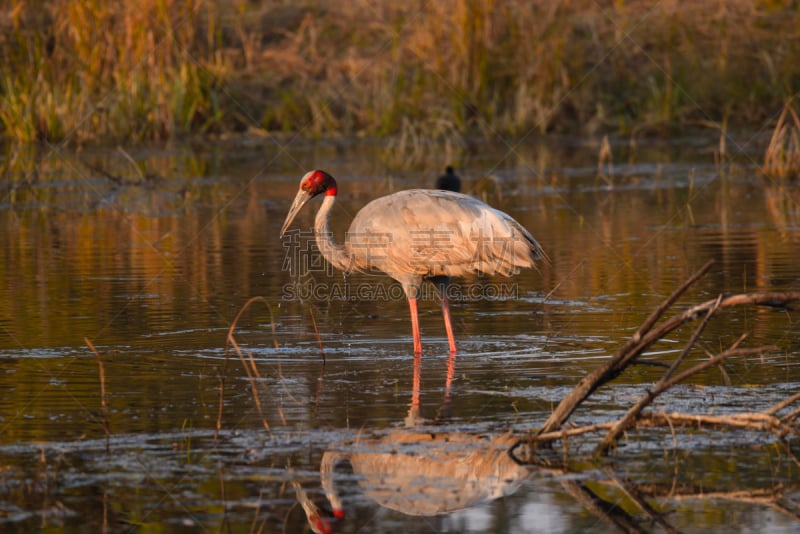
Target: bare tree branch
<point>615,365</point>
<point>644,339</point>
<point>629,419</point>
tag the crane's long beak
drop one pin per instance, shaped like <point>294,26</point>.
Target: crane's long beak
<point>299,201</point>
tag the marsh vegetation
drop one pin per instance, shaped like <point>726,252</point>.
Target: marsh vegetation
<point>90,71</point>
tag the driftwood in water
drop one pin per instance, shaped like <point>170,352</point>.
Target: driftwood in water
<point>648,334</point>
<point>782,419</point>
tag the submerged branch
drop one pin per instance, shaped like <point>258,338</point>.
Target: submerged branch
<point>783,404</point>
<point>619,361</point>
<point>103,402</point>
<point>753,420</point>
<point>647,336</point>
<point>649,333</point>
<point>633,414</point>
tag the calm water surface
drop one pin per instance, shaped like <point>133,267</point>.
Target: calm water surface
<point>152,264</point>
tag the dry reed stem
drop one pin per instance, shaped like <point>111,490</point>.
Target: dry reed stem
<point>605,163</point>
<point>249,364</point>
<point>253,385</point>
<point>139,173</point>
<point>316,331</point>
<point>220,404</point>
<point>103,402</point>
<point>782,157</point>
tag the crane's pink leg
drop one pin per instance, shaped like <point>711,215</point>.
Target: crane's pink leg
<point>448,325</point>
<point>415,384</point>
<point>412,305</point>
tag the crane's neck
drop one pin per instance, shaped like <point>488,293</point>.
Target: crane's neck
<point>332,251</point>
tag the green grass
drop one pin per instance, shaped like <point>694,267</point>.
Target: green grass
<point>90,71</point>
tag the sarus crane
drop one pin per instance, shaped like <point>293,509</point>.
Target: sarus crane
<point>417,235</point>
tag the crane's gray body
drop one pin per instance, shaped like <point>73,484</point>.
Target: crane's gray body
<point>420,233</point>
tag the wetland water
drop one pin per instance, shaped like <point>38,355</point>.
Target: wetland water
<point>153,263</point>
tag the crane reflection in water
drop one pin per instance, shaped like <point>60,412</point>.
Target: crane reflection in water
<point>416,470</point>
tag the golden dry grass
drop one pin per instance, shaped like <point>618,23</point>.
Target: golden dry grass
<point>90,70</point>
<point>782,157</point>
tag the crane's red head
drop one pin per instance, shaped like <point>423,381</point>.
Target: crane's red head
<point>312,184</point>
<point>317,182</point>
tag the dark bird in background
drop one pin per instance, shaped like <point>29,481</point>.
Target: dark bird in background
<point>449,181</point>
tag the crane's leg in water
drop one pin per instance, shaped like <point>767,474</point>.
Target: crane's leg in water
<point>412,305</point>
<point>448,324</point>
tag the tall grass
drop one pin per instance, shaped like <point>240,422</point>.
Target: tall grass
<point>92,70</point>
<point>86,70</point>
<point>782,156</point>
